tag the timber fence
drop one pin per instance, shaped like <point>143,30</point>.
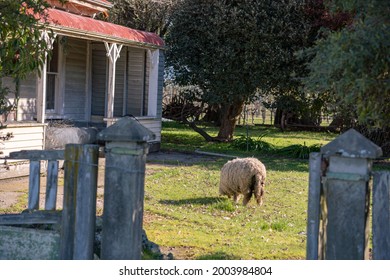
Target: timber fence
<point>341,181</point>
<point>72,229</point>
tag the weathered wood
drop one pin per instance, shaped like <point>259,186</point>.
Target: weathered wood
<point>381,216</point>
<point>344,174</point>
<point>41,90</point>
<point>13,146</point>
<point>36,217</point>
<point>113,53</point>
<point>51,185</point>
<point>125,153</point>
<point>352,144</point>
<point>137,81</point>
<point>34,184</point>
<point>71,164</point>
<point>346,197</point>
<point>37,155</point>
<point>313,219</point>
<point>86,203</point>
<point>347,215</point>
<point>25,136</point>
<point>123,204</point>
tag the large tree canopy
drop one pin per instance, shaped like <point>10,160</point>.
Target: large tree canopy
<point>231,49</point>
<point>353,64</point>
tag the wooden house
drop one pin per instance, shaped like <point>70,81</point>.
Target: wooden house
<point>97,72</point>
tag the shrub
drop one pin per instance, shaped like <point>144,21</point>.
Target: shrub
<point>244,143</point>
<point>298,150</point>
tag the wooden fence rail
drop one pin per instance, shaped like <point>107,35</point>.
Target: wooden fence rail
<point>35,157</point>
<point>76,221</point>
<point>126,149</point>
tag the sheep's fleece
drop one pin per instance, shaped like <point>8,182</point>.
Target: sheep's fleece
<point>244,176</point>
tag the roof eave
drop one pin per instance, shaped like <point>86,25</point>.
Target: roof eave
<point>67,31</point>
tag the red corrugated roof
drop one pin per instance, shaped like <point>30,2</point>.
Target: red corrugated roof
<point>60,19</point>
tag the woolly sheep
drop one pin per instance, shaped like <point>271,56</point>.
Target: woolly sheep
<point>244,176</point>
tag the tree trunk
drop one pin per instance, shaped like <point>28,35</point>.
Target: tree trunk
<point>203,133</point>
<point>213,115</point>
<point>229,114</point>
<point>228,118</point>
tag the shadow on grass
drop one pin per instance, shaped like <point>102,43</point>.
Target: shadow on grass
<point>180,158</point>
<point>210,165</point>
<point>217,203</point>
<point>196,201</point>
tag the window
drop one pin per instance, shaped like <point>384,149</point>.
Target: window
<point>51,79</point>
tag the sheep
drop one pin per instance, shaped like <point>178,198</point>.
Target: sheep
<point>243,176</point>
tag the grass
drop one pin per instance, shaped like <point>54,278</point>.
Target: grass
<point>185,214</point>
<point>179,137</point>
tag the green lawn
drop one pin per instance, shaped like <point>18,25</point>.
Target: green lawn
<point>178,137</point>
<point>185,214</point>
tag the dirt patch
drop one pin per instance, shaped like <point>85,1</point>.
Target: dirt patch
<point>7,199</point>
<point>11,190</point>
<point>19,184</point>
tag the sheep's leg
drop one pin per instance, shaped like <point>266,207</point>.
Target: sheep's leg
<point>259,193</point>
<point>247,197</point>
<point>259,200</point>
<point>236,198</point>
<point>259,189</point>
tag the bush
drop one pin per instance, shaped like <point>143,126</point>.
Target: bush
<point>244,143</point>
<point>293,151</point>
<point>298,150</point>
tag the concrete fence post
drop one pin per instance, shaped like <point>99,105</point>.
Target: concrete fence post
<point>344,198</point>
<point>314,206</point>
<point>381,216</point>
<point>125,154</point>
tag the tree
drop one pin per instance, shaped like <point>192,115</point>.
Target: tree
<point>233,49</point>
<point>294,105</point>
<point>22,46</point>
<point>353,64</point>
<point>147,15</point>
